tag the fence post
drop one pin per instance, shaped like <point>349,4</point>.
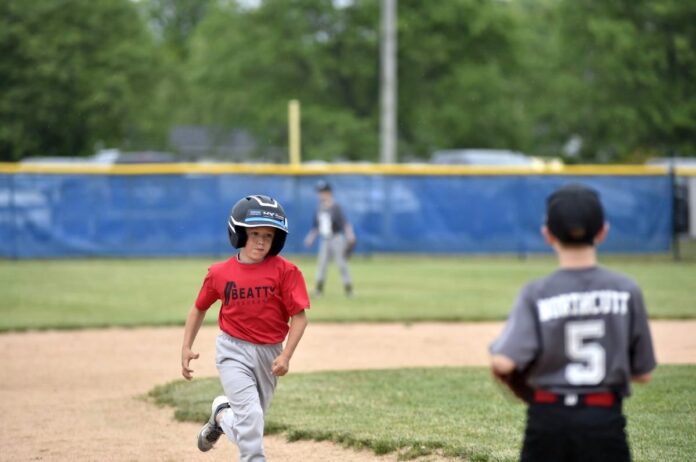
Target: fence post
<point>676,254</point>
<point>14,248</point>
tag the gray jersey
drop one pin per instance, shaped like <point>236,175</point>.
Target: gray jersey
<point>329,221</point>
<point>579,331</point>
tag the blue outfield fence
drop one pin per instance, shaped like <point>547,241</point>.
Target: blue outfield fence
<point>184,214</point>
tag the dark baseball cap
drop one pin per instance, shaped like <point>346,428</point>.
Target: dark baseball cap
<point>323,185</point>
<point>574,214</point>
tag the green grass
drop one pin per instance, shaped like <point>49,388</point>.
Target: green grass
<point>39,294</point>
<point>92,293</point>
<point>457,412</point>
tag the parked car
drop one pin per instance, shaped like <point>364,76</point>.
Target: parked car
<point>485,157</point>
<point>689,162</point>
<point>108,157</point>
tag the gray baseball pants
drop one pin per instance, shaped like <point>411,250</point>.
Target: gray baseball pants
<point>328,247</point>
<point>245,374</point>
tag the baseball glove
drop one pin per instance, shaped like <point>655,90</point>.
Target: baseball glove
<point>516,382</point>
<point>348,250</point>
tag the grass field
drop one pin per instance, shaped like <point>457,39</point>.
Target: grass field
<point>40,294</point>
<point>453,411</point>
<point>458,412</point>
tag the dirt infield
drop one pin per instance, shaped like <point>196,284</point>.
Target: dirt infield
<point>77,395</point>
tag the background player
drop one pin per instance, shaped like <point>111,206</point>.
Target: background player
<point>260,292</point>
<point>580,335</point>
<point>336,238</point>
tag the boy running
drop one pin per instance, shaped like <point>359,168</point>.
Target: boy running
<point>261,293</point>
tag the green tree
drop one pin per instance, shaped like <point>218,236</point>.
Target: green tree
<point>247,63</point>
<point>457,65</point>
<point>539,80</point>
<point>72,74</point>
<point>172,24</point>
<point>174,21</point>
<point>631,77</point>
<point>456,59</point>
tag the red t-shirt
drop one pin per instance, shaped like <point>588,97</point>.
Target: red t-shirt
<point>257,299</point>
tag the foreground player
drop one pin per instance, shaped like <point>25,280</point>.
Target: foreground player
<point>578,337</point>
<point>260,293</point>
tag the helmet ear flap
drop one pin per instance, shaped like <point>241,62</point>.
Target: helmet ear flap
<point>237,235</point>
<point>278,243</point>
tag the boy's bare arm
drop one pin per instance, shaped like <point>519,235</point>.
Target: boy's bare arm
<point>309,239</point>
<point>193,325</point>
<point>501,366</point>
<point>281,364</point>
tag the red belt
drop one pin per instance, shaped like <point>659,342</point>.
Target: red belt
<point>603,399</point>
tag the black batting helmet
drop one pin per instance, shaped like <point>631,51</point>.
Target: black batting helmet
<point>254,211</point>
<point>323,185</point>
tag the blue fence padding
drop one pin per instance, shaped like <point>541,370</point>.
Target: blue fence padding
<point>66,215</point>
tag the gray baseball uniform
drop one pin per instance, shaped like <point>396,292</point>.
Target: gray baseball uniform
<point>246,377</point>
<point>330,223</point>
<point>579,331</point>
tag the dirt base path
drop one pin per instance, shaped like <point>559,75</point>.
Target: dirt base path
<point>74,396</point>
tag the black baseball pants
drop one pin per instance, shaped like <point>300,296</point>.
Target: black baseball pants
<point>558,433</point>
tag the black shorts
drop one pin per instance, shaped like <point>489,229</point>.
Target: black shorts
<point>575,434</point>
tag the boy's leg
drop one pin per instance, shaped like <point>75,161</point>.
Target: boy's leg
<point>244,423</point>
<point>545,436</point>
<point>322,263</point>
<point>338,244</point>
<point>211,431</point>
<point>265,380</point>
<point>602,437</point>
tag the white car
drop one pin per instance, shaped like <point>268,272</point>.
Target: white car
<point>487,157</point>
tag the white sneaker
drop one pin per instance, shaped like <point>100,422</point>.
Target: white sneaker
<point>211,431</point>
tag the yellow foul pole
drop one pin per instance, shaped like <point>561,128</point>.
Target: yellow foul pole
<point>294,131</point>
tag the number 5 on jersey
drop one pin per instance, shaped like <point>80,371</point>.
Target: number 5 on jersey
<point>588,366</point>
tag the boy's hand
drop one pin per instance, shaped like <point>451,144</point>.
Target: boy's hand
<point>503,369</point>
<point>309,240</point>
<point>281,365</point>
<point>186,356</point>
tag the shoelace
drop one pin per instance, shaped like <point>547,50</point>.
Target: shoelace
<point>214,434</point>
